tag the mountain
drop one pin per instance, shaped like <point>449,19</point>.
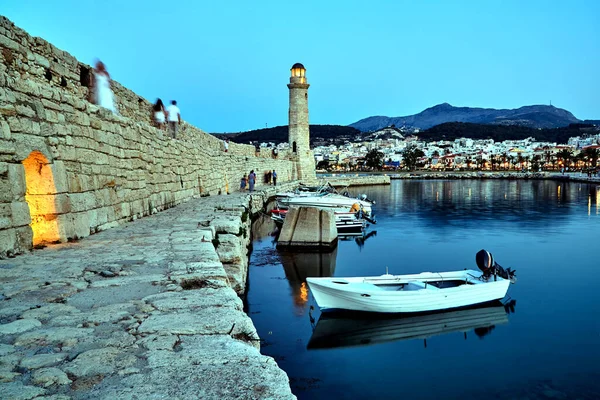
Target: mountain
<point>537,116</point>
<point>319,134</point>
<point>455,130</point>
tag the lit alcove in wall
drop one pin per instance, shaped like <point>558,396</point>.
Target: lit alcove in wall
<point>40,197</point>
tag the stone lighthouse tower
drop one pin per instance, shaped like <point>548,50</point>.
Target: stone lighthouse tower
<point>299,133</point>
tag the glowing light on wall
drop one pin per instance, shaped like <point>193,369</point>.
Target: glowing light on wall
<point>40,197</point>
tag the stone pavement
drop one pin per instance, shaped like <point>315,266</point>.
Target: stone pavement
<point>148,310</point>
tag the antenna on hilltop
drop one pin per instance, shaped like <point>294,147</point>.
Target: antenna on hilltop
<point>550,102</point>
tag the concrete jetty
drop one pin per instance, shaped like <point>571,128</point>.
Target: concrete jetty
<point>145,310</point>
<point>308,227</point>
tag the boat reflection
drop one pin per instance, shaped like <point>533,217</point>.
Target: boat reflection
<point>351,329</point>
<point>359,238</point>
<point>300,265</point>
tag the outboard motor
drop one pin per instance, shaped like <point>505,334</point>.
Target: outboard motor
<point>485,262</point>
<point>487,265</point>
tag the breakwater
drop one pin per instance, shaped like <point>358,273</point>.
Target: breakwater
<point>150,309</point>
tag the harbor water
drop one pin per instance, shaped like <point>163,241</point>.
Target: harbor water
<point>541,342</point>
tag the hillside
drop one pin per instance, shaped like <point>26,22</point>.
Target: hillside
<point>318,134</point>
<point>536,116</point>
<point>455,130</point>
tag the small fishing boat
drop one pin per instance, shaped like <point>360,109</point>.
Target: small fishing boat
<point>336,202</point>
<point>427,291</point>
<point>345,222</point>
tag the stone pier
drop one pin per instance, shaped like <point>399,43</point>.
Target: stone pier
<point>146,310</point>
<point>308,227</point>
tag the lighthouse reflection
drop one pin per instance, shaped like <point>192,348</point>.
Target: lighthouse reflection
<point>300,265</point>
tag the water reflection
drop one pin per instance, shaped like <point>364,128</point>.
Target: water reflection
<point>359,329</point>
<point>359,239</point>
<point>300,265</point>
<point>443,203</point>
<point>263,226</point>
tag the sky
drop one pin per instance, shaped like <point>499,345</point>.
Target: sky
<point>227,63</point>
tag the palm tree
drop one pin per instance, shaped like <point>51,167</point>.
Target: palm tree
<point>592,155</point>
<point>548,156</point>
<point>565,155</point>
<point>535,162</point>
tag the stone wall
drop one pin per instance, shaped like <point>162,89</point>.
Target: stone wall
<point>69,168</point>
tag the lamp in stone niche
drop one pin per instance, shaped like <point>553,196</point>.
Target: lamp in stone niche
<point>40,197</point>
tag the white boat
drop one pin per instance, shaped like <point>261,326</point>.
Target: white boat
<point>344,221</point>
<point>334,201</point>
<point>427,291</point>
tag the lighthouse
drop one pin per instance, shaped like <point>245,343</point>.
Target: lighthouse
<point>298,130</point>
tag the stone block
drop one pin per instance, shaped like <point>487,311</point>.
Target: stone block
<point>60,176</point>
<point>82,201</point>
<point>79,225</point>
<point>47,377</point>
<point>7,147</point>
<point>4,130</point>
<point>93,218</point>
<point>6,42</point>
<point>16,176</point>
<point>20,213</point>
<point>25,110</point>
<point>24,235</point>
<point>42,61</point>
<point>308,227</point>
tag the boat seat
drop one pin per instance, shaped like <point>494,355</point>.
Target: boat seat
<point>423,285</point>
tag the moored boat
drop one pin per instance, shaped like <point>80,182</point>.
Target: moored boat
<point>427,291</point>
<point>332,201</point>
<point>345,222</point>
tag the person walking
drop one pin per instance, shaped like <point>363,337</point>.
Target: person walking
<point>251,181</point>
<point>102,93</point>
<point>226,145</point>
<point>174,118</point>
<point>274,174</point>
<point>159,114</point>
<point>243,183</point>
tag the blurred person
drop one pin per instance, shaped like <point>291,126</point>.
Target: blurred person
<point>159,114</point>
<point>102,93</point>
<point>174,118</point>
<point>243,183</point>
<point>251,181</point>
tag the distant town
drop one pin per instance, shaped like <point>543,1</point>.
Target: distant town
<point>393,149</point>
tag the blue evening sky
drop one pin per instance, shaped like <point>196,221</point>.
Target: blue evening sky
<point>227,62</point>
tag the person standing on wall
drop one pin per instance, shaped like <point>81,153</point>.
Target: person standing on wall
<point>102,93</point>
<point>226,145</point>
<point>274,178</point>
<point>251,181</point>
<point>174,118</point>
<point>158,114</point>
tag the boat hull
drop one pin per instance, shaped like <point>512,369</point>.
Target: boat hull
<point>361,294</point>
<point>337,203</point>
